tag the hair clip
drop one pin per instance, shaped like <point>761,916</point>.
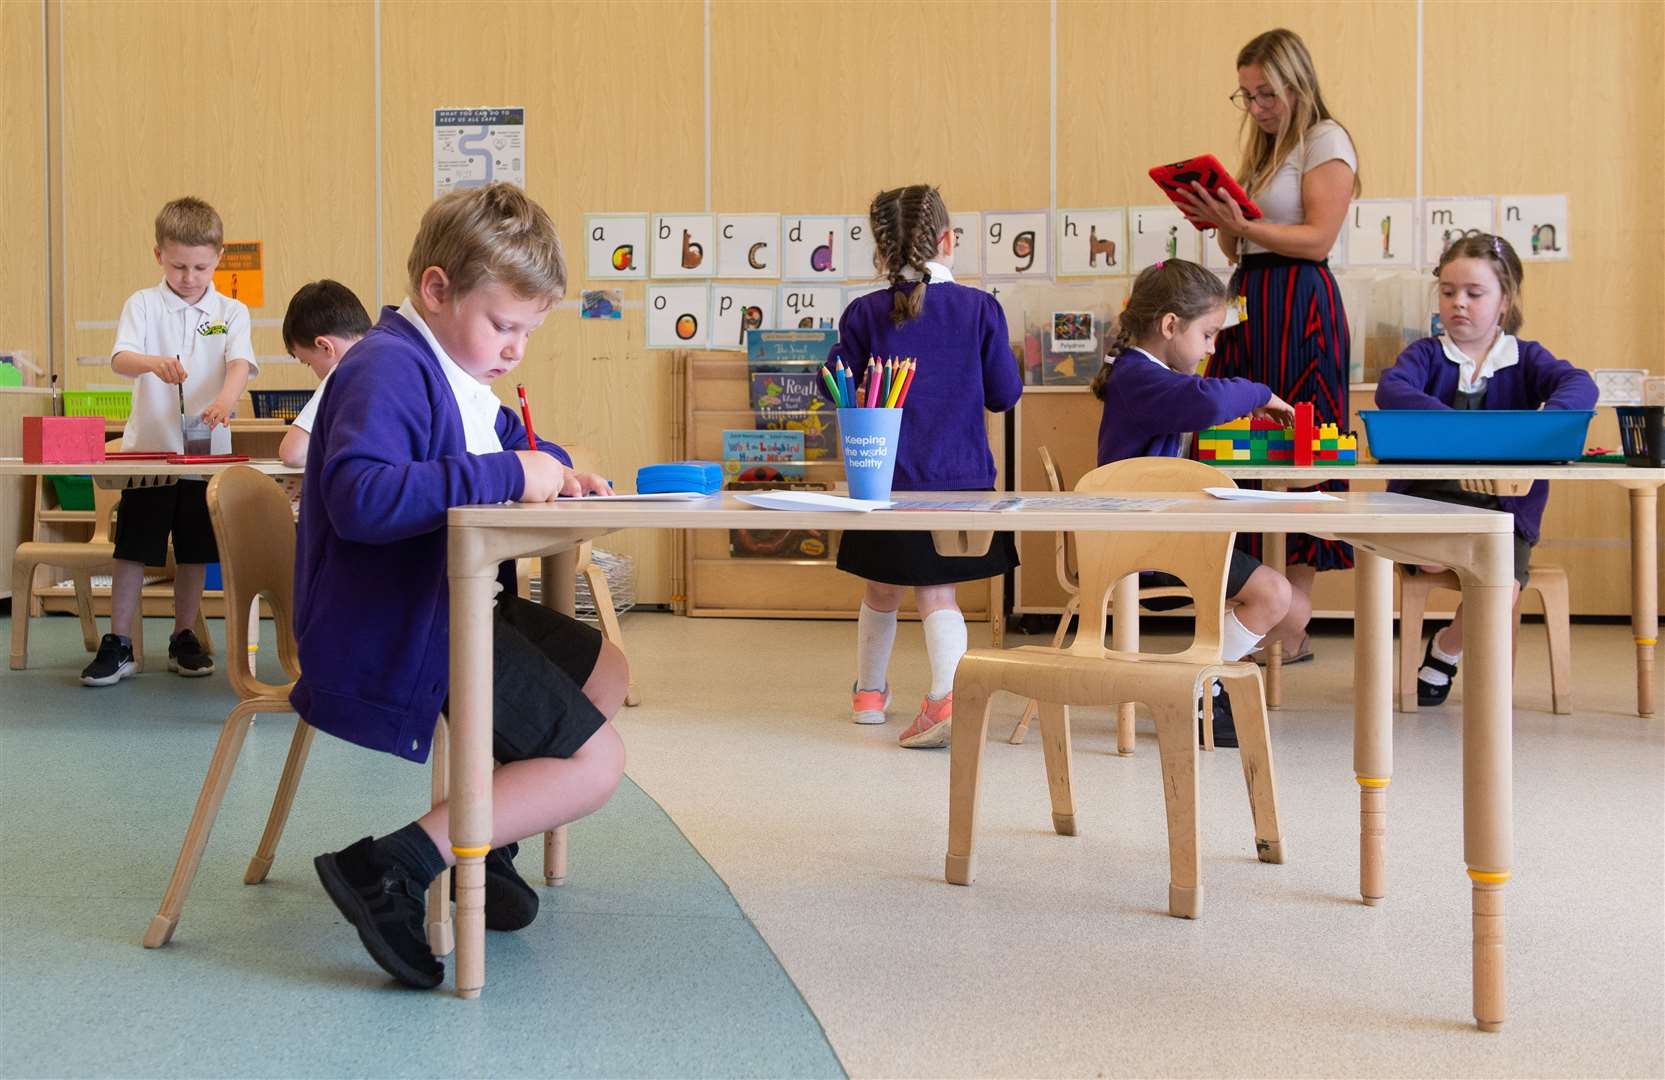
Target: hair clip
<point>1497,246</point>
<point>1159,263</point>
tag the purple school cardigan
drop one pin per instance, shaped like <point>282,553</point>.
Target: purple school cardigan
<point>1422,378</point>
<point>372,619</point>
<point>1148,406</point>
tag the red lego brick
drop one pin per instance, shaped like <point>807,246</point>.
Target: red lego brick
<point>1304,433</point>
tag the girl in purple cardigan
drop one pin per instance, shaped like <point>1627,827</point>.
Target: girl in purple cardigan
<point>1152,396</point>
<point>1478,363</point>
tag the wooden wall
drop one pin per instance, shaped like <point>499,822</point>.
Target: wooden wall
<point>270,114</point>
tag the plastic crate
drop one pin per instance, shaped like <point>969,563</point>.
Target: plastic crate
<point>1642,431</point>
<point>1481,435</point>
<point>74,492</point>
<point>110,404</point>
<point>279,404</point>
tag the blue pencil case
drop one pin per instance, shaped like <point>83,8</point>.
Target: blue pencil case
<point>704,477</point>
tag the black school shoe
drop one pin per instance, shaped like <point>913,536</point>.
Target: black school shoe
<point>1427,694</point>
<point>1225,729</point>
<point>385,906</point>
<point>511,904</point>
<point>113,663</point>
<point>185,656</point>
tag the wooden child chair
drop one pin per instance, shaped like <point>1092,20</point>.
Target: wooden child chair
<point>80,558</point>
<point>1087,673</point>
<point>255,529</point>
<point>1063,551</point>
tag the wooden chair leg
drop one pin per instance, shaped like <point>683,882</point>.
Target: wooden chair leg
<point>1413,605</point>
<point>441,931</point>
<point>288,783</point>
<point>965,775</point>
<point>1055,746</point>
<point>1254,737</point>
<point>84,609</point>
<point>201,630</point>
<point>23,576</point>
<point>555,856</point>
<point>1021,730</point>
<point>139,635</point>
<point>1558,624</point>
<point>236,728</point>
<point>1177,739</point>
<point>1206,719</point>
<point>609,619</point>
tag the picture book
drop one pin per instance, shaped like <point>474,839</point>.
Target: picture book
<point>778,543</point>
<point>792,401</point>
<point>763,455</point>
<point>788,350</point>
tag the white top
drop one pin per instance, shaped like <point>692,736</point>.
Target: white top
<point>1471,377</point>
<point>309,413</point>
<point>939,273</point>
<point>1280,199</point>
<point>475,401</point>
<point>206,336</point>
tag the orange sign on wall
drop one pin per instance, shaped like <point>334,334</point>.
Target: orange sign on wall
<point>240,276</point>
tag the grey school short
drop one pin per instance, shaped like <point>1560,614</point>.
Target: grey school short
<point>1237,575</point>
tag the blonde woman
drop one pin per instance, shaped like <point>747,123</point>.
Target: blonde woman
<point>1300,167</point>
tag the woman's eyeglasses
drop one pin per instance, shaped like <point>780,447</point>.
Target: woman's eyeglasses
<point>1243,99</point>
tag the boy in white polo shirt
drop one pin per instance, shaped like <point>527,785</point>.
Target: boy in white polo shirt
<point>187,349</point>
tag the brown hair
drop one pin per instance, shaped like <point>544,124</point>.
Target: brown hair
<point>491,233</point>
<point>1283,56</point>
<point>190,222</point>
<point>1499,254</point>
<point>906,223</point>
<point>1173,286</point>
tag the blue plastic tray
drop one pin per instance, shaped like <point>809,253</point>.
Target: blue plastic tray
<point>1483,435</point>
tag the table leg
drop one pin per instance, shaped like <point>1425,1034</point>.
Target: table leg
<point>1275,547</point>
<point>1488,806</point>
<point>1644,585</point>
<point>1372,714</point>
<point>470,752</point>
<point>558,577</point>
<point>1124,637</point>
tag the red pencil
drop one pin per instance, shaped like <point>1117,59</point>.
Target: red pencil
<point>526,417</point>
<point>907,381</point>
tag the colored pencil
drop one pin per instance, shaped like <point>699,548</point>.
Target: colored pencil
<point>907,383</point>
<point>526,416</point>
<point>832,390</point>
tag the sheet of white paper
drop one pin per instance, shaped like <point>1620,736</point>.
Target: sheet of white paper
<point>1252,495</point>
<point>808,500</point>
<point>1118,503</point>
<point>662,496</point>
<point>979,501</point>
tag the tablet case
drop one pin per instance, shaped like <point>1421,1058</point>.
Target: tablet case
<point>1205,169</point>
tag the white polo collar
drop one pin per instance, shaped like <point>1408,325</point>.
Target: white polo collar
<point>1471,377</point>
<point>476,403</point>
<point>172,301</point>
<point>939,273</point>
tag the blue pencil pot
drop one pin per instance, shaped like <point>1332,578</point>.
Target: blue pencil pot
<point>870,437</point>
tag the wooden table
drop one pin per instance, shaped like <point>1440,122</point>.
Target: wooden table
<point>1475,543</point>
<point>1643,485</point>
<point>117,469</point>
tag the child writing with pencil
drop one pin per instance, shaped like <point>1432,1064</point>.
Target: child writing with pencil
<point>1152,396</point>
<point>964,365</point>
<point>408,430</point>
<point>1478,363</point>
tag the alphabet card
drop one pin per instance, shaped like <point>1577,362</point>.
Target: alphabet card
<point>1092,242</point>
<point>859,249</point>
<point>1212,256</point>
<point>684,245</point>
<point>616,246</point>
<point>810,307</point>
<point>1536,225</point>
<point>736,309</point>
<point>676,316</point>
<point>1446,221</point>
<point>814,249</point>
<point>1016,244</point>
<point>1161,232</point>
<point>1379,233</point>
<point>748,245</point>
<point>968,251</point>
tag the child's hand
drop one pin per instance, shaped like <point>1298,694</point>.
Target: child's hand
<point>591,484</point>
<point>217,414</point>
<point>1276,408</point>
<point>546,478</point>
<point>168,369</point>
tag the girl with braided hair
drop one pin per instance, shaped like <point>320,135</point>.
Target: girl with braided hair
<point>958,337</point>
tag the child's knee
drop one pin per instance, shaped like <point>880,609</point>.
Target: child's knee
<point>603,758</point>
<point>609,680</point>
<point>882,597</point>
<point>930,598</point>
<point>1267,591</point>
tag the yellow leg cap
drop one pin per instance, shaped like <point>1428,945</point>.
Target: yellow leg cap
<point>1373,781</point>
<point>470,852</point>
<point>1488,877</point>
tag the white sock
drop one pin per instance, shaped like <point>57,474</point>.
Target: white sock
<point>944,644</point>
<point>1438,678</point>
<point>875,634</point>
<point>1236,640</point>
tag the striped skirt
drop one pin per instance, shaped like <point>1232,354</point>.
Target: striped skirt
<point>1294,340</point>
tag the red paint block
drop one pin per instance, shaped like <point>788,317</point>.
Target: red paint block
<point>63,440</point>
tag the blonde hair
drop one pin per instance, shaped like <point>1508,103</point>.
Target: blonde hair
<point>491,233</point>
<point>1171,287</point>
<point>906,223</point>
<point>1283,56</point>
<point>1498,254</point>
<point>191,223</point>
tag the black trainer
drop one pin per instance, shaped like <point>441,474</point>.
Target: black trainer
<point>1225,727</point>
<point>511,904</point>
<point>1427,694</point>
<point>185,656</point>
<point>386,907</point>
<point>113,663</point>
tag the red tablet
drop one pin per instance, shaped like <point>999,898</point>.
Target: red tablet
<point>206,459</point>
<point>1207,171</point>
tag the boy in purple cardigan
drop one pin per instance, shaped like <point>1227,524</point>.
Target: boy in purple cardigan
<point>408,428</point>
<point>1478,363</point>
<point>1152,396</point>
